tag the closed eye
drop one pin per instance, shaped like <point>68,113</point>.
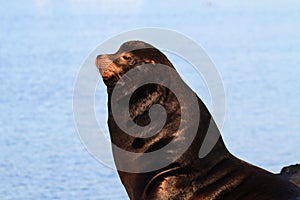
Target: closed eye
<point>126,58</point>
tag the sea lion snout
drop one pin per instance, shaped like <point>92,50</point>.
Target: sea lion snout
<point>106,66</point>
<point>102,62</point>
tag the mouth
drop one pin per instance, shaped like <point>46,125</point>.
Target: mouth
<point>106,74</point>
<point>106,70</point>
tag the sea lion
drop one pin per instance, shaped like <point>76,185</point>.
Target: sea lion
<point>219,175</point>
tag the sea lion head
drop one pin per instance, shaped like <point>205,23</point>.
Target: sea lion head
<point>131,54</point>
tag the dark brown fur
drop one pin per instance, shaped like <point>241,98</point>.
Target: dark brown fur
<point>292,173</point>
<point>219,175</point>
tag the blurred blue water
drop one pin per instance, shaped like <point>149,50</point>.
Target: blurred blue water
<point>254,45</point>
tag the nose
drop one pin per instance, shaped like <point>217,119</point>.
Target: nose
<point>98,61</point>
<point>102,61</point>
<point>105,65</point>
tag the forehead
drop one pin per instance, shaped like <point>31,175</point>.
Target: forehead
<point>133,45</point>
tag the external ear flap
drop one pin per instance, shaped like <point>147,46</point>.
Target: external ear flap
<point>149,62</point>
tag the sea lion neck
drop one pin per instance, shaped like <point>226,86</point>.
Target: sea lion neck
<point>140,103</point>
<point>137,184</point>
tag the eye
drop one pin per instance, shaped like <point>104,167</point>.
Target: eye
<point>127,58</point>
